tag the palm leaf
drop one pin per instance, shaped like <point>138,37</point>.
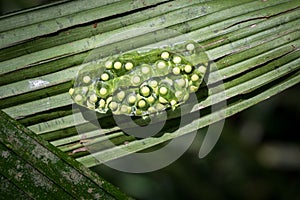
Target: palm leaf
<point>253,47</point>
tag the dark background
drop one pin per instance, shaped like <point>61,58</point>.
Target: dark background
<point>256,157</point>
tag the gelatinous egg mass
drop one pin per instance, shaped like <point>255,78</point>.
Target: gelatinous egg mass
<point>141,82</point>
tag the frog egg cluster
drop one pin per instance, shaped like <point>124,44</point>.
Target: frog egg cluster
<point>141,83</point>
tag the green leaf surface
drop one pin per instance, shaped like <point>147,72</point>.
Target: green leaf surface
<point>253,47</point>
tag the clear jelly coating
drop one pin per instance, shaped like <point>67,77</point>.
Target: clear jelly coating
<point>141,82</point>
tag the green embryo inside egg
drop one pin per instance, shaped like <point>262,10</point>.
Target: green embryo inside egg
<point>141,82</point>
